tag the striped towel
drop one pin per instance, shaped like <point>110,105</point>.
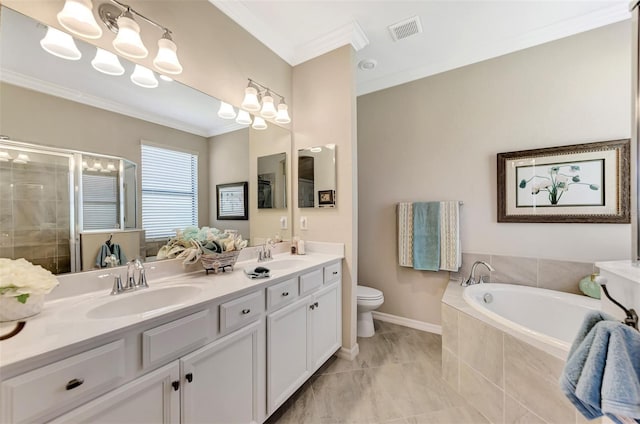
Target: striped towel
<point>450,251</point>
<point>405,234</point>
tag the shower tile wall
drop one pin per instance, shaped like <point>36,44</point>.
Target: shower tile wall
<point>34,211</point>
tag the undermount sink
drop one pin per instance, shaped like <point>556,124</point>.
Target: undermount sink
<point>144,301</point>
<point>277,264</point>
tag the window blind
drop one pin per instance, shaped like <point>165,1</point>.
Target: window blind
<point>100,201</point>
<point>169,191</point>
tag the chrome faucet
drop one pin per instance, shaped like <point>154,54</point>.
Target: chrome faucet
<point>472,278</point>
<point>132,283</point>
<point>264,254</point>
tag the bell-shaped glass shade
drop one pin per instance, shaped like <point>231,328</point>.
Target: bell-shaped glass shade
<point>60,44</point>
<point>166,60</point>
<point>243,117</point>
<point>283,116</point>
<point>268,109</point>
<point>250,101</point>
<point>144,77</point>
<point>128,42</point>
<point>166,78</point>
<point>259,124</point>
<point>226,111</point>
<point>107,63</point>
<point>76,17</point>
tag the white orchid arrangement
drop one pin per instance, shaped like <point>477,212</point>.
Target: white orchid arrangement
<point>20,278</point>
<point>557,183</point>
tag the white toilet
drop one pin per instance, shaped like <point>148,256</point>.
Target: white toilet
<point>368,299</point>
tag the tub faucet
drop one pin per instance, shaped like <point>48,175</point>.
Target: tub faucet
<point>472,278</point>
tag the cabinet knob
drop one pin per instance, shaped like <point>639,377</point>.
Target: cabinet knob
<point>189,377</point>
<point>335,272</point>
<point>285,294</point>
<point>316,304</point>
<point>312,307</point>
<point>175,385</point>
<point>74,383</point>
<point>246,311</point>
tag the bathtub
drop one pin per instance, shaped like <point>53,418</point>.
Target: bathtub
<point>539,316</point>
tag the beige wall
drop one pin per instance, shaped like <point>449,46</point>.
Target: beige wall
<point>223,170</point>
<point>437,139</point>
<point>324,88</point>
<point>34,117</point>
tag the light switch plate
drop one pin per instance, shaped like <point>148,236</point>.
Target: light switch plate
<point>303,222</point>
<point>283,222</point>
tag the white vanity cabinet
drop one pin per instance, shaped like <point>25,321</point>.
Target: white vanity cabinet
<point>303,335</point>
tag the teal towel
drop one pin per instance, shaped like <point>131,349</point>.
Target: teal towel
<point>426,236</point>
<point>602,372</point>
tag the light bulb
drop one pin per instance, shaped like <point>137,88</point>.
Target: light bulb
<point>167,60</point>
<point>4,157</point>
<point>107,63</point>
<point>259,124</point>
<point>166,78</point>
<point>60,44</point>
<point>268,109</point>
<point>111,166</point>
<point>226,111</point>
<point>128,42</point>
<point>144,77</point>
<point>250,101</point>
<point>76,17</point>
<point>243,117</point>
<point>282,116</point>
<point>22,158</point>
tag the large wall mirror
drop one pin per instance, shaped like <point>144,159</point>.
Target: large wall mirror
<point>317,177</point>
<point>272,181</point>
<point>67,104</point>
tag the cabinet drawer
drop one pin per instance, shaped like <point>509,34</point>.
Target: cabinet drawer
<point>332,272</point>
<point>166,342</point>
<point>282,293</point>
<point>241,311</point>
<point>57,387</point>
<point>310,281</point>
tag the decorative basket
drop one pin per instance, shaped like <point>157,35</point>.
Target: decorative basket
<point>219,261</point>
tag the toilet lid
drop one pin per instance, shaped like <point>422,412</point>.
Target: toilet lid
<point>368,293</point>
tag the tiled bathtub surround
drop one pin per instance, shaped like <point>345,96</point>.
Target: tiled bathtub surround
<point>544,273</point>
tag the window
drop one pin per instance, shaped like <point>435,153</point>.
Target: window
<point>169,191</point>
<point>100,205</point>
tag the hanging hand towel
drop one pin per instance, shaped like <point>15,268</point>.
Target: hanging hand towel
<point>405,234</point>
<point>426,236</point>
<point>450,251</point>
<point>602,373</point>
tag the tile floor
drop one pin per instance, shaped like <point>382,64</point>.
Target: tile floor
<point>396,379</point>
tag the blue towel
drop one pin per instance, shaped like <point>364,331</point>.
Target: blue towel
<point>602,372</point>
<point>426,236</point>
<point>106,251</point>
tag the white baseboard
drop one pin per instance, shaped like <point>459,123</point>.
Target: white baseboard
<point>348,354</point>
<point>406,322</point>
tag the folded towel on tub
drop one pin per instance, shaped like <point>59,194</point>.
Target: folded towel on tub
<point>426,236</point>
<point>602,372</point>
<point>405,234</point>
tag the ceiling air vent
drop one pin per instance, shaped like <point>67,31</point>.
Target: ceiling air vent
<point>406,28</point>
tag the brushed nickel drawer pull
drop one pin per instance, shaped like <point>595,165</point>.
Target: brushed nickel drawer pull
<point>285,294</point>
<point>175,385</point>
<point>74,383</point>
<point>246,311</point>
<point>189,377</point>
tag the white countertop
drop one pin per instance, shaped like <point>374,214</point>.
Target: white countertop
<point>63,321</point>
<point>626,269</point>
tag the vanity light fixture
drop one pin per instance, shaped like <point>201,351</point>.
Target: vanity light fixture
<point>121,21</point>
<point>4,157</point>
<point>60,44</point>
<point>259,124</point>
<point>111,167</point>
<point>144,77</point>
<point>107,63</point>
<point>243,117</point>
<point>22,158</point>
<point>226,111</point>
<point>76,17</point>
<point>255,93</point>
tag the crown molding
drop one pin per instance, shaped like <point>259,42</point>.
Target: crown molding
<point>562,29</point>
<point>77,96</point>
<point>351,33</point>
<point>240,14</point>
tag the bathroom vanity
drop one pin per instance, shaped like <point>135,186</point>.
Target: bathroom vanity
<point>192,348</point>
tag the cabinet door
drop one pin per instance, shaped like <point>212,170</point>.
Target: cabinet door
<point>326,323</point>
<point>152,398</point>
<point>287,351</point>
<point>220,380</point>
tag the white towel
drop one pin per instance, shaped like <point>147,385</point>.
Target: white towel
<point>405,234</point>
<point>450,250</point>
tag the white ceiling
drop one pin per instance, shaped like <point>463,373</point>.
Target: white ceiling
<point>455,33</point>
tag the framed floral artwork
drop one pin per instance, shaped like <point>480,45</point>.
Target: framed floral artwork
<point>586,183</point>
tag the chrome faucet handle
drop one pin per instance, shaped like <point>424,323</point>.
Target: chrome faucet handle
<point>131,278</point>
<point>481,280</point>
<point>142,277</point>
<point>117,284</point>
<point>468,282</point>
